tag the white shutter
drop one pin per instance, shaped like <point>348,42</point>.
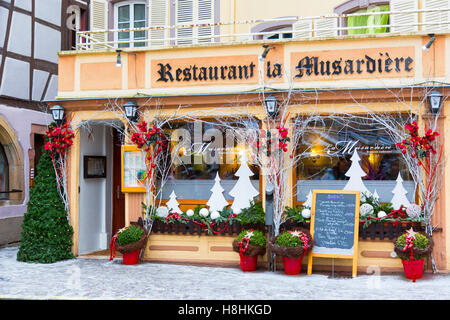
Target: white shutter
<point>398,19</point>
<point>158,17</point>
<point>185,16</point>
<point>205,16</point>
<point>99,21</point>
<point>326,27</point>
<point>442,17</point>
<point>302,29</point>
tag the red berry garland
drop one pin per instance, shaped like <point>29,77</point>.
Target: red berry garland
<point>145,139</point>
<point>59,139</point>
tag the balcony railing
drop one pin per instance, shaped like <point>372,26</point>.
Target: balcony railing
<point>421,21</point>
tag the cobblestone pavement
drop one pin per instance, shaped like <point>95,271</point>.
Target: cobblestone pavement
<point>103,279</point>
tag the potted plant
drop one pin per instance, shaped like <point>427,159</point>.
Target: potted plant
<point>130,241</point>
<point>292,246</point>
<point>412,247</point>
<point>250,244</point>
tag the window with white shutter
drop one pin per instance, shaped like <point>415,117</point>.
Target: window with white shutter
<point>194,12</point>
<point>399,20</point>
<point>325,27</point>
<point>302,29</point>
<point>98,20</point>
<point>129,15</point>
<point>158,18</point>
<point>440,19</point>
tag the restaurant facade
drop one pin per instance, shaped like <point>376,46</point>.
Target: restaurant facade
<point>337,74</point>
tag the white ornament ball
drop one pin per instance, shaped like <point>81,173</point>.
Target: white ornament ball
<point>215,215</point>
<point>190,212</point>
<point>366,210</point>
<point>204,212</point>
<point>382,214</point>
<point>306,213</point>
<point>413,210</point>
<point>162,212</point>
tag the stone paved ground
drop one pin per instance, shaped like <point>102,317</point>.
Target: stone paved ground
<point>103,279</point>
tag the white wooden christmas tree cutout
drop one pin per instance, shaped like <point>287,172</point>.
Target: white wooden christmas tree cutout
<point>243,191</point>
<point>308,202</point>
<point>217,201</point>
<point>375,195</point>
<point>173,204</point>
<point>355,173</point>
<point>399,192</point>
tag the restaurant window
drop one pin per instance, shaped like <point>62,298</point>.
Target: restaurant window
<point>371,21</point>
<point>197,160</point>
<point>128,15</point>
<point>4,175</point>
<point>329,147</point>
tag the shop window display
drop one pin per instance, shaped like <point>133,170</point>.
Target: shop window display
<point>329,147</point>
<point>199,151</point>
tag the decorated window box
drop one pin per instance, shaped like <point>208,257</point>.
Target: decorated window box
<point>192,228</point>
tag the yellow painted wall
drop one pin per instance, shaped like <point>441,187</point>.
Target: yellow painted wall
<point>95,74</point>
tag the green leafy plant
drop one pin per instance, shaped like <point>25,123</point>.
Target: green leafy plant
<point>258,238</point>
<point>286,239</point>
<point>129,235</point>
<point>253,214</point>
<point>295,214</point>
<point>420,241</point>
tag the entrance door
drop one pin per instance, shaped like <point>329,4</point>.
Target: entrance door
<point>118,221</point>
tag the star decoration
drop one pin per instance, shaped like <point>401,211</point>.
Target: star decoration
<point>411,233</point>
<point>249,235</point>
<point>295,233</point>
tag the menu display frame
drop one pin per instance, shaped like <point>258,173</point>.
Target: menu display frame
<point>335,252</point>
<point>131,155</point>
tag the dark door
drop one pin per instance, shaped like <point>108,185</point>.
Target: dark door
<point>118,221</point>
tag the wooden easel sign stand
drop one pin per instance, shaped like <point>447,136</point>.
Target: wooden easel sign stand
<point>335,226</point>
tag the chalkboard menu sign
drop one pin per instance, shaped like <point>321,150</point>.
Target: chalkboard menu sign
<point>334,225</point>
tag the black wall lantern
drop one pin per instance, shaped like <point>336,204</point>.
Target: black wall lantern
<point>435,100</point>
<point>57,114</point>
<point>272,106</point>
<point>131,111</point>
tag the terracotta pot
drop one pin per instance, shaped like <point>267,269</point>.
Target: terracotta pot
<point>131,257</point>
<point>413,269</point>
<point>292,265</point>
<point>248,263</point>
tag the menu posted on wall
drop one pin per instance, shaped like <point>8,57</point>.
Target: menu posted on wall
<point>335,226</point>
<point>334,223</point>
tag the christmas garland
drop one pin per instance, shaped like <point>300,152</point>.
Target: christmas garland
<point>59,139</point>
<point>153,141</point>
<point>205,225</point>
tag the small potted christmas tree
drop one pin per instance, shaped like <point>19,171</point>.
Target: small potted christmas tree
<point>130,241</point>
<point>250,244</point>
<point>412,247</point>
<point>292,246</point>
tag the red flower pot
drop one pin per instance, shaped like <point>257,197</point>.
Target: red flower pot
<point>413,269</point>
<point>248,263</point>
<point>131,257</point>
<point>292,266</point>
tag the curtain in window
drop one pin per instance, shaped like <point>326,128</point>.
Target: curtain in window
<point>369,20</point>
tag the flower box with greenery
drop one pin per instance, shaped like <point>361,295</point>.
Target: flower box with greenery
<point>130,240</point>
<point>292,246</point>
<point>214,223</point>
<point>250,244</point>
<point>372,210</point>
<point>412,248</point>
